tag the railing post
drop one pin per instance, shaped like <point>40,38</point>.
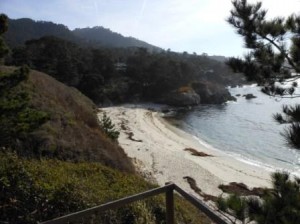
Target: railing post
<point>169,206</point>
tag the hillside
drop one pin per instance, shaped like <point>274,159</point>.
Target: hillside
<point>145,77</point>
<point>71,132</point>
<point>102,37</point>
<point>89,59</point>
<point>55,159</point>
<point>22,30</point>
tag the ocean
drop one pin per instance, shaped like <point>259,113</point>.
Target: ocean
<point>245,129</point>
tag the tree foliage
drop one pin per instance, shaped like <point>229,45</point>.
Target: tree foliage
<point>108,127</point>
<point>278,205</point>
<point>3,28</point>
<point>274,55</point>
<point>17,117</point>
<point>145,76</point>
<point>24,29</point>
<point>269,58</point>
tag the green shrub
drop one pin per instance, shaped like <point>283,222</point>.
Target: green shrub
<point>32,191</point>
<point>108,127</point>
<point>17,117</point>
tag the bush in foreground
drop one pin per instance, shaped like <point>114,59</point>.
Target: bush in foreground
<point>33,190</point>
<point>278,205</point>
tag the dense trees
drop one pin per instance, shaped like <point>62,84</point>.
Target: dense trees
<point>157,74</point>
<point>274,56</point>
<point>90,64</point>
<point>95,72</point>
<point>101,37</point>
<point>68,63</point>
<point>22,30</point>
<point>3,29</point>
<point>17,117</point>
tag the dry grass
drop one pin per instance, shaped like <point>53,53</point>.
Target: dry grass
<point>72,133</point>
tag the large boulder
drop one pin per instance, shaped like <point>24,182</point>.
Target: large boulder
<point>211,93</point>
<point>181,97</point>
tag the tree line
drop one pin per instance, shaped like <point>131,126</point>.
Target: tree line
<point>145,76</point>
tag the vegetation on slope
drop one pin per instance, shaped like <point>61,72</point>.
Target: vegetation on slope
<point>101,37</point>
<point>44,123</point>
<point>71,130</point>
<point>22,30</point>
<point>39,190</point>
<point>111,75</point>
<point>3,28</point>
<point>17,117</point>
<point>37,183</point>
<point>42,118</point>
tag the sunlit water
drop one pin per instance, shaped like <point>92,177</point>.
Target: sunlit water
<point>245,129</point>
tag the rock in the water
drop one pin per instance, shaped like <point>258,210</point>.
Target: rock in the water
<point>249,96</point>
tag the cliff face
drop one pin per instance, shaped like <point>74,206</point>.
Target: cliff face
<point>212,93</point>
<point>72,131</point>
<point>197,93</point>
<point>181,98</point>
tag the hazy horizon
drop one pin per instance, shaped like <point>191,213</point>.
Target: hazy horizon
<point>192,26</point>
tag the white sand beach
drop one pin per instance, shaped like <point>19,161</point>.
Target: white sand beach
<point>157,149</point>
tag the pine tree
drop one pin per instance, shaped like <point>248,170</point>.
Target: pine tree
<point>108,127</point>
<point>278,205</point>
<point>3,28</point>
<point>270,61</point>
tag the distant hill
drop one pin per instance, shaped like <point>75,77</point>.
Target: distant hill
<point>22,30</point>
<point>100,36</point>
<point>218,58</point>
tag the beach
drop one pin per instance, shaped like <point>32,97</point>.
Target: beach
<point>163,153</point>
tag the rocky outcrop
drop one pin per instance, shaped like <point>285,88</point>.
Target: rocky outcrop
<point>196,93</point>
<point>177,98</point>
<point>211,93</point>
<point>249,96</point>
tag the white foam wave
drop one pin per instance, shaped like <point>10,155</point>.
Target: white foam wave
<point>248,161</point>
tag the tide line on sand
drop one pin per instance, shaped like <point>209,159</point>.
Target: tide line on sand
<point>164,153</point>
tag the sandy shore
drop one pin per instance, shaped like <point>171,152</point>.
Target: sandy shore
<point>157,148</point>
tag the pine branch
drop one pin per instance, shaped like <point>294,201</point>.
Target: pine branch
<point>281,50</point>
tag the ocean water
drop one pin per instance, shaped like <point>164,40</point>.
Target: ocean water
<point>244,129</point>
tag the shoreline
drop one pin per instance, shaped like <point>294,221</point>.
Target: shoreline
<point>157,149</point>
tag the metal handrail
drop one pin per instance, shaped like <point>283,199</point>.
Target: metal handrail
<point>168,189</point>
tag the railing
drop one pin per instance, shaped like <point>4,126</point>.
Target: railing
<point>168,189</point>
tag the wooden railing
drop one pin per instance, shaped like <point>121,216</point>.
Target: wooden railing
<point>168,190</point>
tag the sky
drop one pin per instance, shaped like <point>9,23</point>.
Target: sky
<point>180,25</point>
